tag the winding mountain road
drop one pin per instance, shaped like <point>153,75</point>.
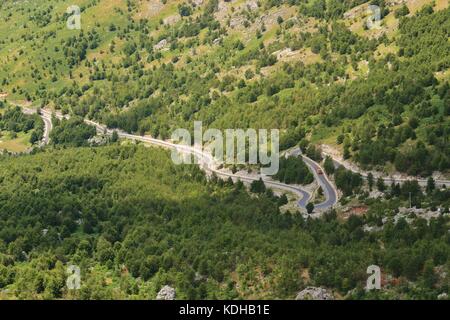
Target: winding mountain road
<point>48,126</point>
<point>387,180</point>
<point>207,163</point>
<point>328,188</point>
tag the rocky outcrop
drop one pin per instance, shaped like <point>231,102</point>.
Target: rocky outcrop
<point>99,140</point>
<point>160,45</point>
<point>314,293</point>
<point>252,5</point>
<point>170,20</point>
<point>166,293</point>
<point>443,296</point>
<point>395,2</point>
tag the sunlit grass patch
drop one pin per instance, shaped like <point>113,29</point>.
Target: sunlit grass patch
<point>14,144</point>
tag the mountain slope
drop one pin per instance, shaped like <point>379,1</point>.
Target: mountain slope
<point>380,96</point>
<point>134,222</point>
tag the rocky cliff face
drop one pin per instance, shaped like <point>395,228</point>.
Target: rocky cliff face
<point>314,293</point>
<point>166,293</point>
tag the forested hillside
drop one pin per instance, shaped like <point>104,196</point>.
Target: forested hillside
<point>381,97</point>
<point>133,222</point>
<point>18,131</point>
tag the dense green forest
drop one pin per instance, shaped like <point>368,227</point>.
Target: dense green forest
<point>293,170</point>
<point>71,132</point>
<point>13,120</point>
<point>133,222</point>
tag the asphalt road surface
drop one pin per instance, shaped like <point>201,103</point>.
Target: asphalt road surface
<point>47,118</point>
<point>329,190</point>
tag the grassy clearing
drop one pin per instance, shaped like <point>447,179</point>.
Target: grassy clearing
<point>18,144</point>
<point>389,24</point>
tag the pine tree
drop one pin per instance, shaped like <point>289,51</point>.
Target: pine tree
<point>370,180</point>
<point>430,185</point>
<point>380,184</point>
